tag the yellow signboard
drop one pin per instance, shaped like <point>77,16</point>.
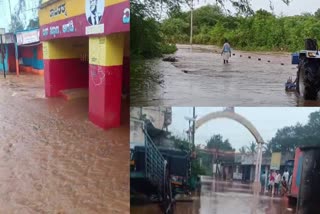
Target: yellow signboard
<point>64,9</point>
<point>275,161</point>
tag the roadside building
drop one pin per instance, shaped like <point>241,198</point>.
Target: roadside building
<point>156,120</point>
<point>244,166</point>
<point>8,54</point>
<point>85,45</point>
<point>30,53</point>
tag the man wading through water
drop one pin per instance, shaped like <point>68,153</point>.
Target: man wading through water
<point>226,52</point>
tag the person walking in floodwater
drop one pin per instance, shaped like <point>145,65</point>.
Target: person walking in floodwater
<point>226,52</point>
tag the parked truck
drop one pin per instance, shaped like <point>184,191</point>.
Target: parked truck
<point>158,173</point>
<point>305,186</point>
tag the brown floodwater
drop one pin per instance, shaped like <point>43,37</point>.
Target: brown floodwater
<point>53,159</point>
<point>217,197</point>
<point>200,78</point>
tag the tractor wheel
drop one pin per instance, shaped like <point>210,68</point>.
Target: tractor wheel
<point>308,79</point>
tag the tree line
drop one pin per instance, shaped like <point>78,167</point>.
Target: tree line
<point>260,31</point>
<point>152,35</point>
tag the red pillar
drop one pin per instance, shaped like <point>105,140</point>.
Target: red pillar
<point>105,80</point>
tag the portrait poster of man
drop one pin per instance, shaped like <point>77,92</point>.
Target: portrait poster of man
<point>94,11</point>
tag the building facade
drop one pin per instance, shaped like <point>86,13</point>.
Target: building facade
<point>86,45</point>
<point>30,53</point>
<point>158,117</point>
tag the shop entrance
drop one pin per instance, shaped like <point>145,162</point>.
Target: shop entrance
<point>95,67</point>
<point>31,58</point>
<point>66,64</point>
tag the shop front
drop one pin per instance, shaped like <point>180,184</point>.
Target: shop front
<point>86,45</point>
<point>8,53</point>
<point>30,52</point>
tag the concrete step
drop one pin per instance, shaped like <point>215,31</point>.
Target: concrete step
<point>76,93</point>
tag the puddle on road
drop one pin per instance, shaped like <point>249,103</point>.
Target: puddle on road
<point>53,159</point>
<point>222,198</point>
<point>200,78</point>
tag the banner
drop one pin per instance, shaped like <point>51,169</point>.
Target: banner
<point>275,161</point>
<point>28,37</point>
<point>73,18</point>
<point>8,38</point>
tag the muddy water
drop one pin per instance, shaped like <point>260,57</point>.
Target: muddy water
<point>222,198</point>
<point>53,160</point>
<point>200,78</point>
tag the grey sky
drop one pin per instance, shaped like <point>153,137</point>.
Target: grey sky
<point>5,12</point>
<point>296,7</point>
<point>267,120</point>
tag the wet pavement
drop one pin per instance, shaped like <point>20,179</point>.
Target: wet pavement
<point>200,78</point>
<point>53,159</point>
<point>219,197</point>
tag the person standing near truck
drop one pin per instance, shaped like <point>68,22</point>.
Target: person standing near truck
<point>271,182</point>
<point>263,181</point>
<point>286,175</point>
<point>277,182</point>
<point>226,52</point>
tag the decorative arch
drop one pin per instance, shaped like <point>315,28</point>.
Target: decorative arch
<point>233,116</point>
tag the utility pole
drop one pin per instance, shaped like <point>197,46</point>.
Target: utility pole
<point>3,52</point>
<point>9,1</point>
<point>193,126</point>
<point>191,23</point>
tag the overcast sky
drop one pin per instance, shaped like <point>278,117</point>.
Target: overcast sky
<point>267,121</point>
<point>296,7</point>
<point>5,12</point>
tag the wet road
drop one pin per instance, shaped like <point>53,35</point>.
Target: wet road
<point>200,78</point>
<point>53,160</point>
<point>225,198</point>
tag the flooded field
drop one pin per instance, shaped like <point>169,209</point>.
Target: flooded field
<point>222,198</point>
<point>200,78</point>
<point>53,159</point>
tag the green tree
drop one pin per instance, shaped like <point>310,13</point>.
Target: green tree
<point>267,149</point>
<point>252,148</point>
<point>181,143</point>
<point>243,150</point>
<point>217,142</point>
<point>33,23</point>
<point>317,14</point>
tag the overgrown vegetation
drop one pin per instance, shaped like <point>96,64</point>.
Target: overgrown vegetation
<point>247,30</point>
<point>260,31</point>
<point>290,137</point>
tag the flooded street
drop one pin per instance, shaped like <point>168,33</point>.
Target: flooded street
<point>199,77</point>
<point>218,197</point>
<point>53,159</point>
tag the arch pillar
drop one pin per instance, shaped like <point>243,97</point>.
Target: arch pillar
<point>250,127</point>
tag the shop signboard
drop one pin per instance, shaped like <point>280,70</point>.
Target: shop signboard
<point>70,18</point>
<point>8,38</point>
<point>275,161</point>
<point>28,37</point>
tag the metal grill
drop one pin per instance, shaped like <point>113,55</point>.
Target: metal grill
<point>155,163</point>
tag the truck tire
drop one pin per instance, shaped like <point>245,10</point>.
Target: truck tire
<point>308,81</point>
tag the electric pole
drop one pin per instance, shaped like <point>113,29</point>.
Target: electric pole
<point>191,22</point>
<point>193,126</point>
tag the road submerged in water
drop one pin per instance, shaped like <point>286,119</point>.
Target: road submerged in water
<point>224,197</point>
<point>53,159</point>
<point>200,78</point>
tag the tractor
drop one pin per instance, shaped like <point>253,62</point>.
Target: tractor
<point>308,75</point>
